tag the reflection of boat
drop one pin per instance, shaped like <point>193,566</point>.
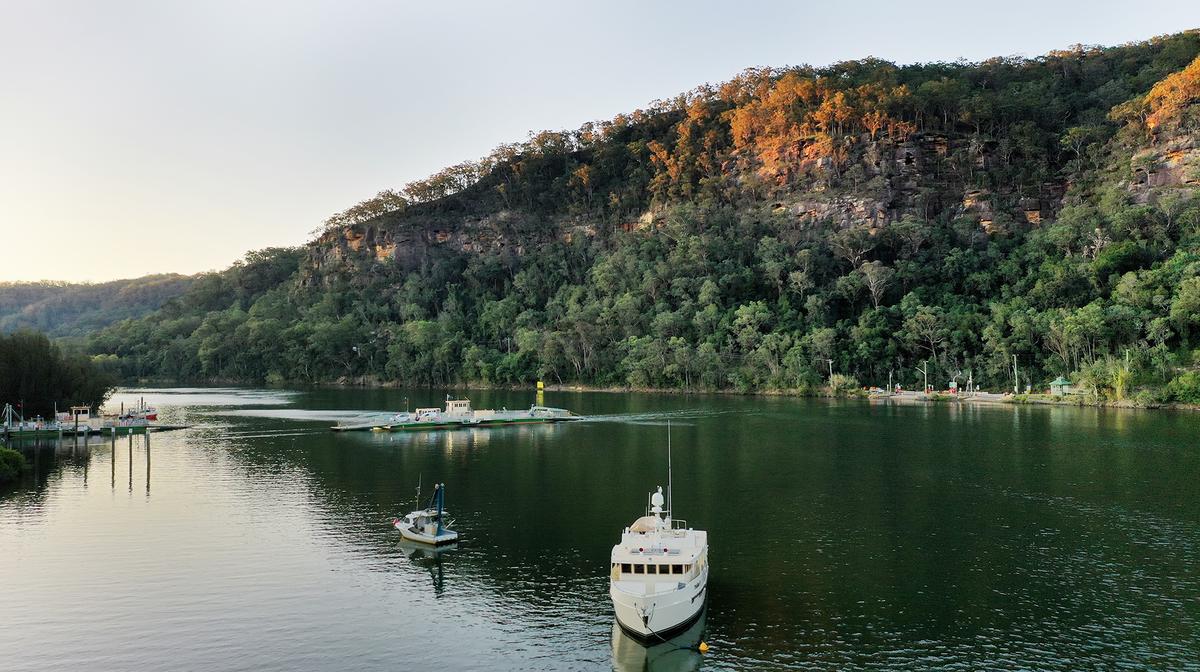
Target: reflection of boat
<point>427,525</point>
<point>458,413</point>
<point>677,653</point>
<point>429,558</point>
<point>659,572</point>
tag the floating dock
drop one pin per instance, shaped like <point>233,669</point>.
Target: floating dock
<point>51,432</point>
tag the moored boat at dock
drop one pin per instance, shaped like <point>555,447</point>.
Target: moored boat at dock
<point>78,422</point>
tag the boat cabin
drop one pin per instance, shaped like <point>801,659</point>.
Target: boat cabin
<point>635,568</point>
<point>458,407</point>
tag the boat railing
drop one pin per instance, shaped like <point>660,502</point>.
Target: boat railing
<point>678,524</point>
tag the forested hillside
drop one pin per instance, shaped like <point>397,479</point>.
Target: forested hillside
<point>75,309</point>
<point>745,234</point>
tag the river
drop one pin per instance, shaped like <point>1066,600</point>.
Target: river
<point>844,535</point>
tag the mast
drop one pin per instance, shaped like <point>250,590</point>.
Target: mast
<point>440,497</point>
<point>670,510</point>
<point>418,502</point>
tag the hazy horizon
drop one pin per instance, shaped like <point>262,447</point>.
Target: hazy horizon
<point>144,138</point>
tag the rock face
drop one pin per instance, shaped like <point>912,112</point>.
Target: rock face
<point>405,240</point>
<point>916,178</point>
<point>1173,162</point>
<point>883,182</point>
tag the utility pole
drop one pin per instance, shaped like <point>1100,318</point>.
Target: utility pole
<point>925,372</point>
<point>1016,384</point>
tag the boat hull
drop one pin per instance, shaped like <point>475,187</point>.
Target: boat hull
<point>679,652</point>
<point>667,613</point>
<point>421,426</point>
<point>446,537</point>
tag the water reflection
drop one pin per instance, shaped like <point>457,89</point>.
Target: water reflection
<point>896,537</point>
<point>680,653</point>
<point>430,559</point>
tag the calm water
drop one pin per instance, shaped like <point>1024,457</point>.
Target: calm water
<point>844,536</point>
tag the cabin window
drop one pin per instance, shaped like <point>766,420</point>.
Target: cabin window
<point>651,569</point>
<point>625,568</point>
<point>687,568</point>
<point>676,569</point>
<point>639,569</point>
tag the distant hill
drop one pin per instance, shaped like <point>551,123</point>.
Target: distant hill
<point>864,217</point>
<point>74,309</point>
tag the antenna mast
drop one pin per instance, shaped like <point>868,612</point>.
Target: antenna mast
<point>669,509</point>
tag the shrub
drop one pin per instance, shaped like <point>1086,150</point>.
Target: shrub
<point>1185,387</point>
<point>843,386</point>
<point>12,464</point>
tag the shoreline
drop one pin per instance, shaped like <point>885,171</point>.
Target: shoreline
<point>905,396</point>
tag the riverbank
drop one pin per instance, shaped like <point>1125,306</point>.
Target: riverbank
<point>370,382</point>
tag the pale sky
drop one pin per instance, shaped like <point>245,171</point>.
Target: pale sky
<point>162,135</point>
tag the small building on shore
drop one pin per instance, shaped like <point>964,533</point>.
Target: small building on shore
<point>1060,386</point>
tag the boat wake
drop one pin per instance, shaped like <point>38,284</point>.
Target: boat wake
<point>679,417</point>
<point>302,414</point>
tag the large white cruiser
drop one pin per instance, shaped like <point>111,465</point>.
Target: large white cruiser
<point>659,573</point>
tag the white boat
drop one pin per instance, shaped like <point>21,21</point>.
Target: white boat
<point>428,525</point>
<point>659,573</point>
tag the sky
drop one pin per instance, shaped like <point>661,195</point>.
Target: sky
<point>174,136</point>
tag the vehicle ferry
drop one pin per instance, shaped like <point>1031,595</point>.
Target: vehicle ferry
<point>457,414</point>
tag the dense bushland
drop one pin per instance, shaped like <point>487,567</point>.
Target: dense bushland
<point>744,235</point>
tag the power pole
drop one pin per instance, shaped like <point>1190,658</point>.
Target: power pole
<point>925,372</point>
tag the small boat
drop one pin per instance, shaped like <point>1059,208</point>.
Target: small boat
<point>659,572</point>
<point>428,525</point>
<point>457,414</point>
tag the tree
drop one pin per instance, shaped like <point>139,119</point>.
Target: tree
<point>1185,306</point>
<point>878,277</point>
<point>852,244</point>
<point>926,328</point>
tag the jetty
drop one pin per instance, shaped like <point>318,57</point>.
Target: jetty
<point>79,422</point>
